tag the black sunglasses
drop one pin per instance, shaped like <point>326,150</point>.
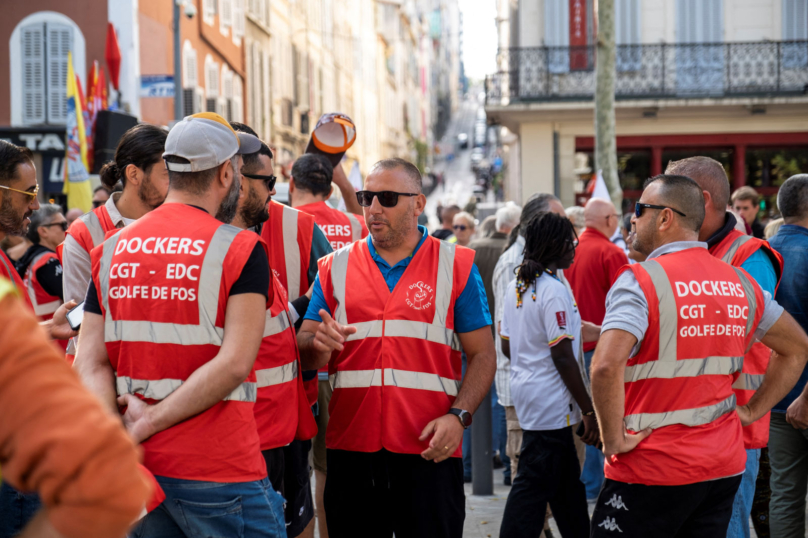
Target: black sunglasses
<point>62,224</point>
<point>386,198</point>
<point>97,204</point>
<point>638,208</point>
<point>461,227</point>
<point>269,181</point>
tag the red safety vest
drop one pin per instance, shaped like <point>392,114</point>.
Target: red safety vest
<point>340,228</point>
<point>735,249</point>
<point>288,233</point>
<point>89,231</point>
<point>7,270</point>
<point>45,304</point>
<point>402,368</point>
<point>703,315</point>
<point>282,410</point>
<point>163,283</point>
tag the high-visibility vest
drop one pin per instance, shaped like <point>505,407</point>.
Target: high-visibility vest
<point>735,249</point>
<point>163,284</point>
<point>282,410</point>
<point>340,228</point>
<point>45,304</point>
<point>288,234</point>
<point>402,368</point>
<point>89,231</point>
<point>8,271</point>
<point>703,314</point>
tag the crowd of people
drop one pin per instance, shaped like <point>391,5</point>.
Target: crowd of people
<point>233,348</point>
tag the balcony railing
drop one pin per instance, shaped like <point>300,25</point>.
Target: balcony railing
<point>652,71</point>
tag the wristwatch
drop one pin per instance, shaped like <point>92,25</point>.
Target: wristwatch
<point>462,415</point>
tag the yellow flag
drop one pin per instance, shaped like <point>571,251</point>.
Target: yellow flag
<point>77,178</point>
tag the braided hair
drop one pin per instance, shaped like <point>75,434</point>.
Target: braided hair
<point>548,238</point>
<point>536,204</point>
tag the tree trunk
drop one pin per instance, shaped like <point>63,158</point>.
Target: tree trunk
<point>605,144</point>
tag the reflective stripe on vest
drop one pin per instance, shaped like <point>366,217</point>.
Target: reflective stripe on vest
<point>666,369</point>
<point>160,389</point>
<point>356,228</point>
<point>406,329</point>
<point>210,276</point>
<point>291,252</point>
<point>45,308</point>
<point>689,417</point>
<point>93,224</point>
<point>349,379</point>
<point>277,375</point>
<point>733,248</point>
<point>748,382</point>
<point>276,324</point>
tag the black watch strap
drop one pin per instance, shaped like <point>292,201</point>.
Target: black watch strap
<point>463,415</point>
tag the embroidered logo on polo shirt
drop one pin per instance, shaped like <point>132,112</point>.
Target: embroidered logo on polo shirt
<point>561,319</point>
<point>420,296</point>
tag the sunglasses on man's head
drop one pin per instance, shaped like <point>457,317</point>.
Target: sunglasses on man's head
<point>386,198</point>
<point>638,209</point>
<point>269,181</point>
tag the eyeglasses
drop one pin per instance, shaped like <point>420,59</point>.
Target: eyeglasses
<point>97,204</point>
<point>32,194</point>
<point>461,227</point>
<point>386,198</point>
<point>638,208</point>
<point>63,224</point>
<point>269,181</point>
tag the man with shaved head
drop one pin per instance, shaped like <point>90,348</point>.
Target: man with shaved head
<point>765,265</point>
<point>597,261</point>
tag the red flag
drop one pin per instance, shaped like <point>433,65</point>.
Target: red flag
<point>113,55</point>
<point>102,89</point>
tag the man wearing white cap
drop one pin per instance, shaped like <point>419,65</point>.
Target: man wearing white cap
<point>174,317</point>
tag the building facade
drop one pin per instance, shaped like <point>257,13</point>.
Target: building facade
<point>723,78</point>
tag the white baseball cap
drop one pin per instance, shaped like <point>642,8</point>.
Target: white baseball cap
<point>206,140</point>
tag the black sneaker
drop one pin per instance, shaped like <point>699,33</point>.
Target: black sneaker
<point>498,462</point>
<point>506,481</point>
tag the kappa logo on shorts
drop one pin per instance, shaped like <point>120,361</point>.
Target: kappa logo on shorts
<point>420,296</point>
<point>617,502</point>
<point>561,318</point>
<point>610,525</point>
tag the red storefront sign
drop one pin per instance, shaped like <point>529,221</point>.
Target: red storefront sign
<point>578,36</point>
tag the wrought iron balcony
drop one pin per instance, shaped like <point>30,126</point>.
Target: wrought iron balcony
<point>766,68</point>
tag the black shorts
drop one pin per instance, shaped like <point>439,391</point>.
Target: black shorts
<point>700,510</point>
<point>288,470</point>
<point>376,494</point>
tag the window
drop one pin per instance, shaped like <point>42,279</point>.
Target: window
<point>557,34</point>
<point>700,68</point>
<point>237,111</point>
<point>38,50</point>
<point>238,20</point>
<point>795,27</point>
<point>227,91</point>
<point>190,80</point>
<point>211,80</point>
<point>208,11</point>
<point>627,35</point>
<point>225,15</point>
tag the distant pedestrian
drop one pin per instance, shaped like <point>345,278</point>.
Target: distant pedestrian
<point>447,215</point>
<point>73,214</point>
<point>788,439</point>
<point>464,226</point>
<point>591,275</point>
<point>746,202</point>
<point>663,374</point>
<point>541,333</point>
<point>576,215</point>
<point>486,228</point>
<point>772,228</point>
<point>100,195</point>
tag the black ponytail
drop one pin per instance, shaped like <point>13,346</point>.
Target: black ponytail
<point>548,238</point>
<point>142,145</point>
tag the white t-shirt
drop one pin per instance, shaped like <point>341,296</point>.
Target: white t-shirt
<point>540,396</point>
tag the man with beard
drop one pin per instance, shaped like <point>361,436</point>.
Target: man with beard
<point>18,201</point>
<point>174,318</point>
<point>139,167</point>
<point>672,345</point>
<point>282,412</point>
<point>402,303</point>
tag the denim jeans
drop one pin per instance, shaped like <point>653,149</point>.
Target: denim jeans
<point>212,509</point>
<point>788,455</point>
<point>16,510</point>
<point>742,506</point>
<point>592,475</point>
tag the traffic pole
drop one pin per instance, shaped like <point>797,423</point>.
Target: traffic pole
<point>482,458</point>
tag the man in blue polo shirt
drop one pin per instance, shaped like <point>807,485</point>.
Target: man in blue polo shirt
<point>398,411</point>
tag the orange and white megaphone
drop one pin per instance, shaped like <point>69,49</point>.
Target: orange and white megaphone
<point>332,136</point>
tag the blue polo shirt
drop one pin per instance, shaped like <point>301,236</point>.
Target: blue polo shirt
<point>470,309</point>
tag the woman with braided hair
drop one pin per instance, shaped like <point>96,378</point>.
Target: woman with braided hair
<point>541,334</point>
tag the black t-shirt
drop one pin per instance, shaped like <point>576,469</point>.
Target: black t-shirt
<point>49,277</point>
<point>442,234</point>
<point>254,278</point>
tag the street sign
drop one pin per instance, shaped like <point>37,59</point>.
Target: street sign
<point>157,86</point>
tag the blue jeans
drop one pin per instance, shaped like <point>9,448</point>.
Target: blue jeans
<point>194,508</point>
<point>592,475</point>
<point>16,510</point>
<point>499,428</point>
<point>742,507</point>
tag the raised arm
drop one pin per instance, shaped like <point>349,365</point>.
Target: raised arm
<point>347,190</point>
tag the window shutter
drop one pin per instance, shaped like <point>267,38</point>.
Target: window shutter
<point>556,34</point>
<point>225,13</point>
<point>188,101</point>
<point>212,80</point>
<point>795,27</point>
<point>33,74</point>
<point>627,33</point>
<point>209,8</point>
<point>190,79</point>
<point>238,18</point>
<point>59,42</point>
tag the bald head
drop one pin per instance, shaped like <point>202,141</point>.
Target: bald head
<point>601,215</point>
